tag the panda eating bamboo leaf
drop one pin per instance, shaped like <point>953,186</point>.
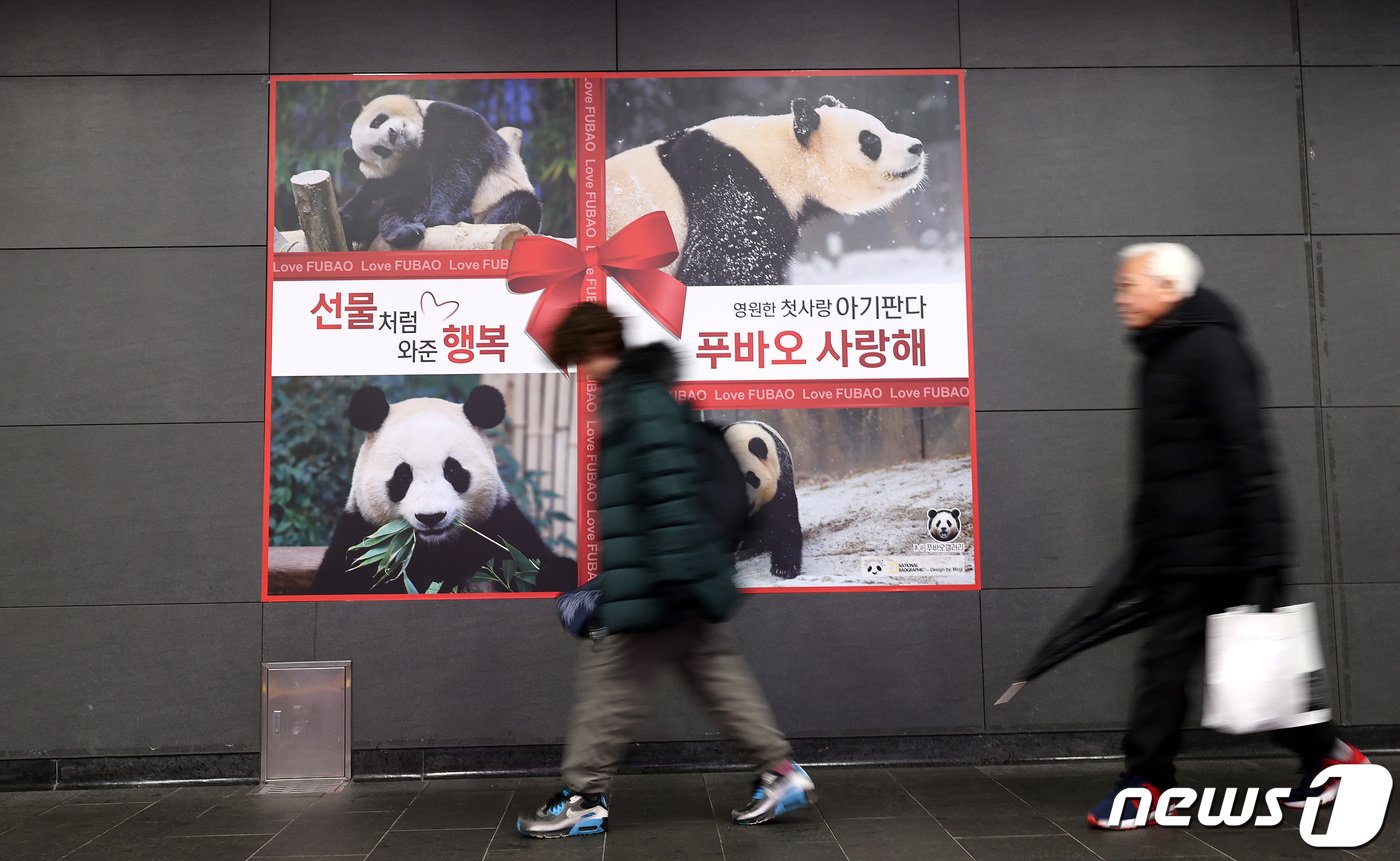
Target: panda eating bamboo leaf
<point>429,163</point>
<point>427,462</point>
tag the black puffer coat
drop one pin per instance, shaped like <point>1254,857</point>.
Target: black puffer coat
<point>1208,503</point>
<point>661,562</point>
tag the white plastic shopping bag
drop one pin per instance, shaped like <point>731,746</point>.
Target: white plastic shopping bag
<point>1264,671</point>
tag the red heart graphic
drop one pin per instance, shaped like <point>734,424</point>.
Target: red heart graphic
<point>423,304</point>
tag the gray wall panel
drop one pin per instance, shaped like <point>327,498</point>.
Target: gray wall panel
<point>1105,152</point>
<point>1349,32</point>
<point>1294,434</point>
<point>1364,462</point>
<point>1055,491</point>
<point>137,161</point>
<point>135,37</point>
<point>512,669</point>
<point>1048,336</point>
<point>787,34</point>
<point>340,36</point>
<point>1088,692</point>
<point>1025,33</point>
<point>1368,682</point>
<point>1353,129</point>
<point>82,681</point>
<point>133,545</point>
<point>289,631</point>
<point>867,663</point>
<point>130,514</point>
<point>452,672</point>
<point>823,673</point>
<point>132,335</point>
<point>1358,311</point>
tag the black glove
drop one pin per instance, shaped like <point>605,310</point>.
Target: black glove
<point>1268,588</point>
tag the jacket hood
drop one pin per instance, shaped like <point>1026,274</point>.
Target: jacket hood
<point>1202,308</point>
<point>653,363</point>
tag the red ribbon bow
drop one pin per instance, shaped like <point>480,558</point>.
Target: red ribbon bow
<point>633,256</point>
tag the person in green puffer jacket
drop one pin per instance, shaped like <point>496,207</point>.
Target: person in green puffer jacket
<point>667,587</point>
<point>662,562</point>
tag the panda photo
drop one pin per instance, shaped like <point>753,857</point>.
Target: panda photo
<point>428,163</point>
<point>405,156</point>
<point>944,524</point>
<point>868,477</point>
<point>428,461</point>
<point>774,526</point>
<point>739,189</point>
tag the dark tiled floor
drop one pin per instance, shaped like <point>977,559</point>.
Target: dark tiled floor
<point>1020,812</point>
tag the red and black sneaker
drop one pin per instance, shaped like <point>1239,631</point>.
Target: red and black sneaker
<point>1343,754</point>
<point>1129,813</point>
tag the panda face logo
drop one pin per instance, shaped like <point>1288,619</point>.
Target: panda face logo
<point>874,568</point>
<point>944,524</point>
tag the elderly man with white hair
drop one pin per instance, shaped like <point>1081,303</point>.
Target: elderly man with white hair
<point>1207,528</point>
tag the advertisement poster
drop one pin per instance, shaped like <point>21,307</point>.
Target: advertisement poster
<point>798,239</point>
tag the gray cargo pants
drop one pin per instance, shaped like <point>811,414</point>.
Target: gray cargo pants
<point>614,689</point>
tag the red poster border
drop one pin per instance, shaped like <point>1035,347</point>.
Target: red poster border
<point>594,289</point>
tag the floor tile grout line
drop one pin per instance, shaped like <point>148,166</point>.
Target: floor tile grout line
<point>499,822</point>
<point>956,840</point>
<point>714,815</point>
<point>112,828</point>
<point>826,822</point>
<point>268,842</point>
<point>1221,852</point>
<point>1062,829</point>
<point>391,827</point>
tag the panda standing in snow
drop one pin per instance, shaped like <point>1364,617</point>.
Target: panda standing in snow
<point>428,163</point>
<point>738,189</point>
<point>774,526</point>
<point>427,461</point>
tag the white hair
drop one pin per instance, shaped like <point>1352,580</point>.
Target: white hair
<point>1169,261</point>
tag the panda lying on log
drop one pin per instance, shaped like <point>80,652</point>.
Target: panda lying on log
<point>428,163</point>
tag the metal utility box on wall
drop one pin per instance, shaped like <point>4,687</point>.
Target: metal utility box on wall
<point>306,721</point>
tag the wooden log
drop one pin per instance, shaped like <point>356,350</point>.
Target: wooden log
<point>463,237</point>
<point>286,241</point>
<point>291,570</point>
<point>317,212</point>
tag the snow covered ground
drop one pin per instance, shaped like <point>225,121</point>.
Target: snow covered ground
<point>885,266</point>
<point>883,514</point>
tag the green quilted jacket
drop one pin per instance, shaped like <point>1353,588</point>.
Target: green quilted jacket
<point>661,563</point>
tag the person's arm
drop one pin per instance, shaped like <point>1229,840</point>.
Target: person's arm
<point>1231,388</point>
<point>664,460</point>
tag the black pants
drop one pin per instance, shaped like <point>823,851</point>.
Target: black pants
<point>1176,643</point>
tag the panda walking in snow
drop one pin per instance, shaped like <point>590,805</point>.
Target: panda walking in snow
<point>774,526</point>
<point>427,461</point>
<point>738,189</point>
<point>428,163</point>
